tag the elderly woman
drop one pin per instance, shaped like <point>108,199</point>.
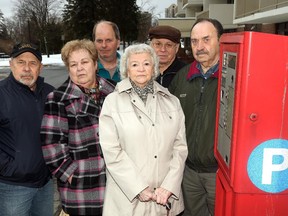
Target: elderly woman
<point>69,131</point>
<point>142,135</point>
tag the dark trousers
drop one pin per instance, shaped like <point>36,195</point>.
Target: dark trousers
<point>198,192</point>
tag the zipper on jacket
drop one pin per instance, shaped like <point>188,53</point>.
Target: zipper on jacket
<point>199,123</point>
<point>201,91</point>
<point>162,76</point>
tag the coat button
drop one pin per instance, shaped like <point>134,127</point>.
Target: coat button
<point>153,125</point>
<point>155,156</point>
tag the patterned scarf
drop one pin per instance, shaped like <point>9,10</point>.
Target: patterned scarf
<point>143,92</point>
<point>94,93</point>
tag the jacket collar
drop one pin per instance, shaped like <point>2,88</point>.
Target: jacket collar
<point>100,65</point>
<point>68,90</point>
<point>125,86</point>
<point>195,72</point>
<point>39,83</point>
<point>69,93</point>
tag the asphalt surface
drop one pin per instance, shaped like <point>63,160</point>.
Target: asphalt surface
<point>54,75</point>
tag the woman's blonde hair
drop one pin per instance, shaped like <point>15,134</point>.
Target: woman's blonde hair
<point>75,45</point>
<point>138,49</point>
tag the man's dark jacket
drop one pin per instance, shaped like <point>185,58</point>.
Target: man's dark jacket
<point>167,76</point>
<point>21,110</point>
<point>198,98</point>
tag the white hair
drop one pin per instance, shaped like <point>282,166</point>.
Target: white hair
<point>138,49</point>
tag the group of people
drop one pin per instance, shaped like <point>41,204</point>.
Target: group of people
<point>135,138</point>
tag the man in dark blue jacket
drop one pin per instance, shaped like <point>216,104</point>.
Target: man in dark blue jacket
<point>25,181</point>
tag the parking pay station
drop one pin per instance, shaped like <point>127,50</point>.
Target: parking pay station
<point>251,139</point>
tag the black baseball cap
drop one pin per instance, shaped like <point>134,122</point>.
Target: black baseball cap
<point>20,48</point>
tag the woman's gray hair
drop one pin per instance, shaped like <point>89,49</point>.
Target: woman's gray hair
<point>138,49</point>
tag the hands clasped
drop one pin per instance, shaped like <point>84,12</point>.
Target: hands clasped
<point>160,196</point>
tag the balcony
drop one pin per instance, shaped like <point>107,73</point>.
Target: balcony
<point>191,7</point>
<point>192,3</point>
<point>221,12</point>
<point>260,11</point>
<point>179,12</point>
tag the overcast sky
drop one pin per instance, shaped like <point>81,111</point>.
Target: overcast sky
<point>159,5</point>
<point>6,6</point>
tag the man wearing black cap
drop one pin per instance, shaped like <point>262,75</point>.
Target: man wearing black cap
<point>25,181</point>
<point>165,40</point>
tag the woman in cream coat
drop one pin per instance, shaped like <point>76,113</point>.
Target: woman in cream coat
<point>142,135</point>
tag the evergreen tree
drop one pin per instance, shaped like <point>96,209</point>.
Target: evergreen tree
<point>81,15</point>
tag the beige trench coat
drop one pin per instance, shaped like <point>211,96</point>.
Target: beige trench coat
<point>143,146</point>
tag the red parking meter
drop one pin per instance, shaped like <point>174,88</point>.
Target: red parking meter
<point>251,139</point>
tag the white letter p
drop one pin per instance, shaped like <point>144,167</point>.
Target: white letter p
<point>268,167</point>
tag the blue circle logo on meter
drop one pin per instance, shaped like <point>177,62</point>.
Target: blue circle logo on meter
<point>268,166</point>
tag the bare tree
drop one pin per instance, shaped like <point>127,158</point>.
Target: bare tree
<point>147,6</point>
<point>148,18</point>
<point>3,29</point>
<point>32,17</point>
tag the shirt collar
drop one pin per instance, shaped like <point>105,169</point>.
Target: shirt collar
<point>209,72</point>
<point>196,71</point>
<point>100,66</point>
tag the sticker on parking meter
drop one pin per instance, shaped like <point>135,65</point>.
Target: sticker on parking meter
<point>268,166</point>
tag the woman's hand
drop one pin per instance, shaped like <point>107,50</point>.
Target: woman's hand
<point>161,196</point>
<point>145,195</point>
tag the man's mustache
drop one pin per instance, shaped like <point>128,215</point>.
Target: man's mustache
<point>201,52</point>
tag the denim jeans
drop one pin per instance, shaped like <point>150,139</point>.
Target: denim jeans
<point>25,201</point>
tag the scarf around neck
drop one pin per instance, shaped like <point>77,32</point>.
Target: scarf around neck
<point>93,93</point>
<point>143,92</point>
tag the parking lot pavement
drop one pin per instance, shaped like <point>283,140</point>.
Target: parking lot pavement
<point>4,73</point>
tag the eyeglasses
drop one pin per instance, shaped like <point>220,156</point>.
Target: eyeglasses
<point>167,46</point>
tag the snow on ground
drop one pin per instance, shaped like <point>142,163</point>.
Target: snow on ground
<point>52,60</point>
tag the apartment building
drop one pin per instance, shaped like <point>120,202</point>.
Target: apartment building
<point>269,16</point>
